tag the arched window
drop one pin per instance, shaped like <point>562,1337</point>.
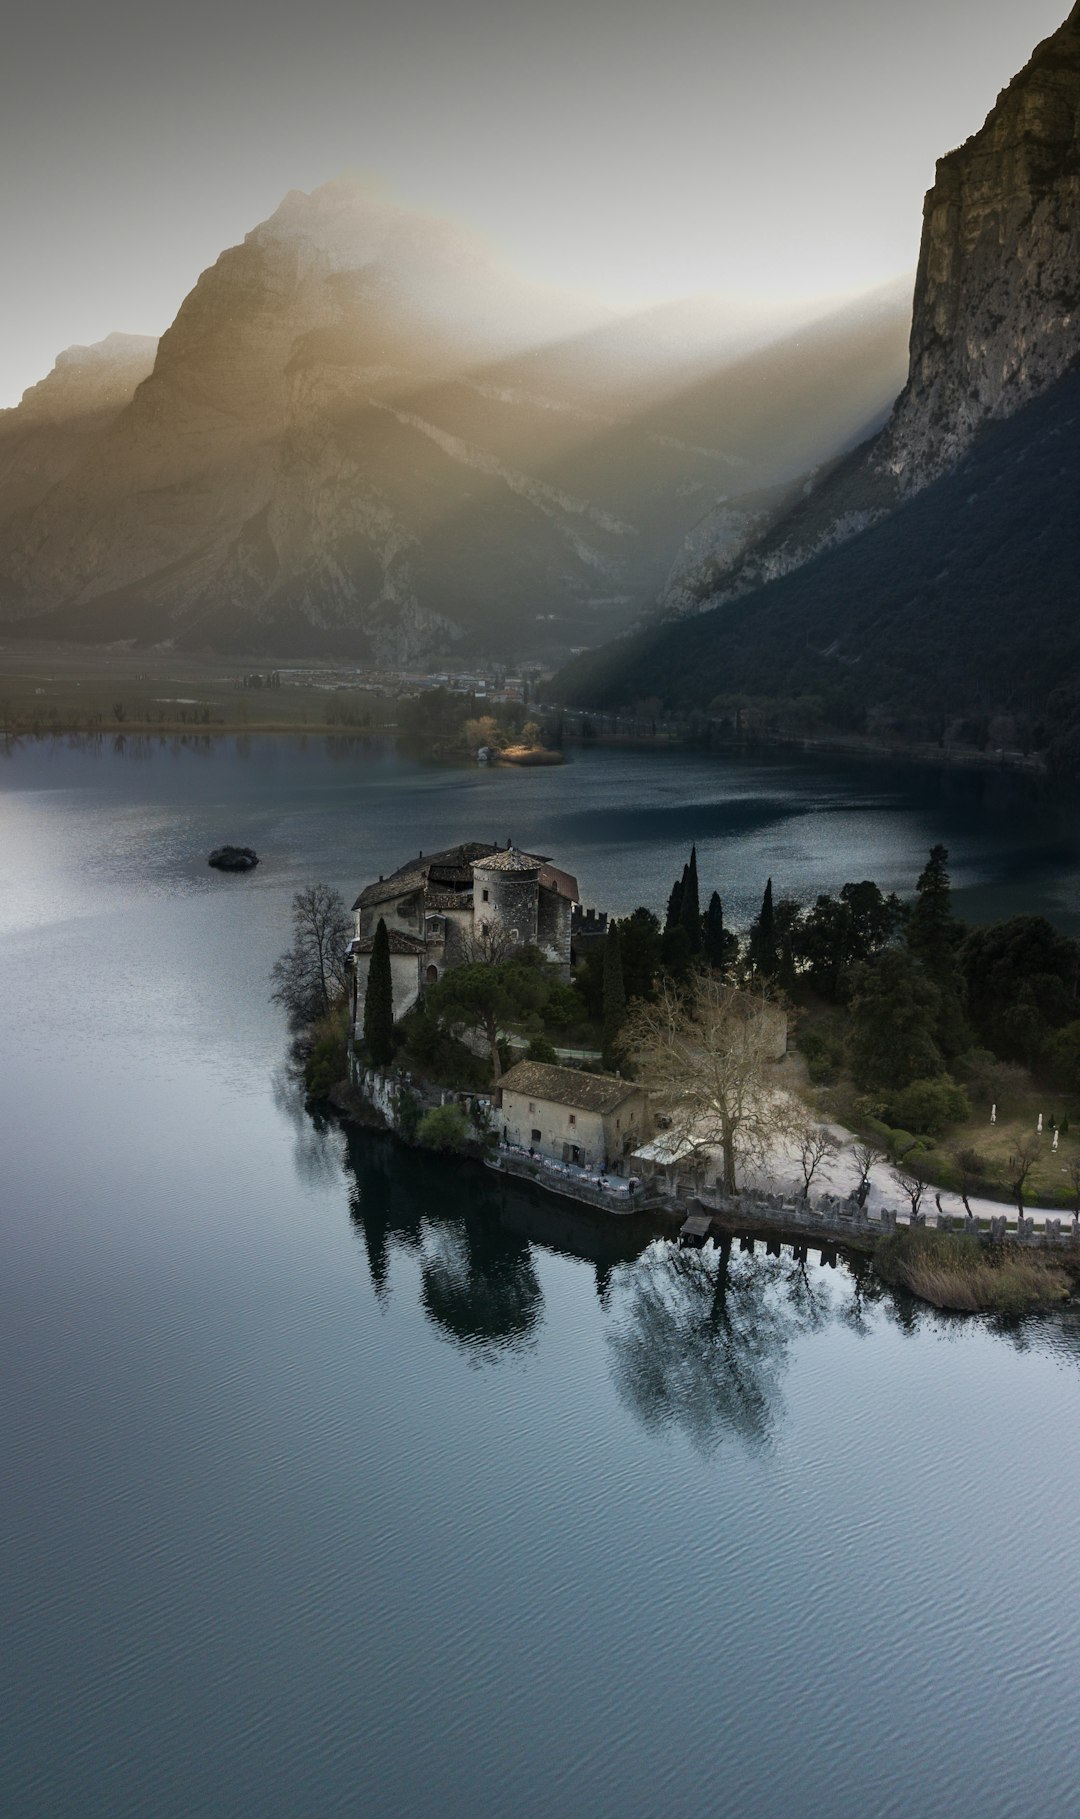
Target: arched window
<point>432,974</point>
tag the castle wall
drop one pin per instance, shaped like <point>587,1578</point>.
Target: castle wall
<point>553,918</point>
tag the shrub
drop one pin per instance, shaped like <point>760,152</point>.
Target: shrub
<point>927,1106</point>
<point>823,1052</point>
<point>408,1112</point>
<point>540,1049</point>
<point>325,1062</point>
<point>444,1127</point>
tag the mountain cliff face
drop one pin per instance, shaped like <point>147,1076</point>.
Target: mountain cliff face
<point>360,435</point>
<point>931,574</point>
<point>996,320</point>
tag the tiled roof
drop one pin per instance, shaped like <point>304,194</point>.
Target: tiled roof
<point>509,860</point>
<point>563,882</point>
<point>400,943</point>
<point>567,1086</point>
<point>454,860</point>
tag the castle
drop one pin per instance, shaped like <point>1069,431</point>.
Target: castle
<point>468,902</point>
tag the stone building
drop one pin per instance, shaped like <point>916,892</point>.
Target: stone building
<point>563,1115</point>
<point>466,902</point>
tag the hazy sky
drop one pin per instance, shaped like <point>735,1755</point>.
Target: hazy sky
<point>775,147</point>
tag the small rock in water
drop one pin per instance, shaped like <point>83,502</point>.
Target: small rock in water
<point>233,858</point>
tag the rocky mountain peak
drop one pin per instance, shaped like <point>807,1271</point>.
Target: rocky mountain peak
<point>997,296</point>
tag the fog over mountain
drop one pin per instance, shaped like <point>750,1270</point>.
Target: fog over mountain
<point>362,435</point>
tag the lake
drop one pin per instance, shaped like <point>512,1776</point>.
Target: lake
<point>340,1480</point>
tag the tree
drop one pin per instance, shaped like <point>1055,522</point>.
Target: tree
<point>912,1186</point>
<point>866,1157</point>
<point>705,1056</point>
<point>1072,1170</point>
<point>971,1168</point>
<point>487,998</point>
<point>1022,979</point>
<point>763,937</point>
<point>893,1019</point>
<point>927,1106</point>
<point>1022,1160</point>
<point>934,936</point>
<point>815,1143</point>
<point>674,903</point>
<point>690,904</point>
<point>614,993</point>
<point>310,977</point>
<point>639,940</point>
<point>444,1127</point>
<point>379,1001</point>
<point>720,946</point>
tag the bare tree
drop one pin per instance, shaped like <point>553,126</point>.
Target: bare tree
<point>705,1055</point>
<point>970,1168</point>
<point>1022,1160</point>
<point>310,977</point>
<point>912,1186</point>
<point>815,1143</point>
<point>866,1158</point>
<point>487,944</point>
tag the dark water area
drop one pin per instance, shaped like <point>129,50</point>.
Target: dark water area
<point>337,1479</point>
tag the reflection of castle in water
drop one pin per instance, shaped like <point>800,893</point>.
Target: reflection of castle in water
<point>699,1340</point>
<point>474,1235</point>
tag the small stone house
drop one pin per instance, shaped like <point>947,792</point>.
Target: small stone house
<point>564,1115</point>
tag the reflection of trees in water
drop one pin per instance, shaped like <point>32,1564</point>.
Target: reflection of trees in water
<point>700,1338</point>
<point>317,1142</point>
<point>478,1281</point>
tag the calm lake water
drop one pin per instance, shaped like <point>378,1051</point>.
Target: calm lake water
<point>339,1481</point>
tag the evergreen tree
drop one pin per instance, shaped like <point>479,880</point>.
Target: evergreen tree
<point>934,936</point>
<point>614,993</point>
<point>715,937</point>
<point>690,904</point>
<point>379,1001</point>
<point>674,903</point>
<point>763,937</point>
<point>639,944</point>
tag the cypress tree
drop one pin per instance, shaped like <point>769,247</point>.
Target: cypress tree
<point>690,904</point>
<point>379,1001</point>
<point>934,936</point>
<point>763,937</point>
<point>715,940</point>
<point>674,903</point>
<point>614,992</point>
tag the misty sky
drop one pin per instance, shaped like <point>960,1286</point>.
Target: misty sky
<point>769,147</point>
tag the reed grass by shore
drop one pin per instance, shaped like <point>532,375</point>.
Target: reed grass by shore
<point>964,1275</point>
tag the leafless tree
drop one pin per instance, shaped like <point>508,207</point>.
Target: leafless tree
<point>705,1054</point>
<point>486,944</point>
<point>912,1186</point>
<point>310,977</point>
<point>970,1168</point>
<point>866,1159</point>
<point>1022,1160</point>
<point>815,1143</point>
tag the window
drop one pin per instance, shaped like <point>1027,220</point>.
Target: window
<point>573,1118</point>
<point>536,1136</point>
<point>483,896</point>
<point>532,1107</point>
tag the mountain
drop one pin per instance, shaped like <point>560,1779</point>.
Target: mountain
<point>57,420</point>
<point>361,435</point>
<point>932,571</point>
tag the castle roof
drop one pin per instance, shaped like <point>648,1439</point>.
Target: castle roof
<point>400,943</point>
<point>453,864</point>
<point>568,1086</point>
<point>509,859</point>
